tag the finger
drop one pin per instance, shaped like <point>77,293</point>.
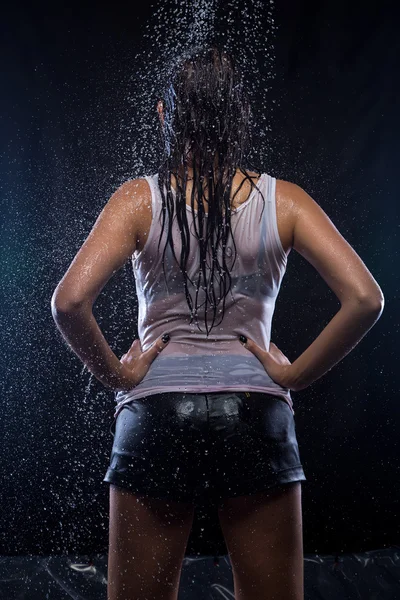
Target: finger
<point>254,348</point>
<point>278,354</point>
<point>154,350</point>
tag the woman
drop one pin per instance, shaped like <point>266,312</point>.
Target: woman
<point>207,410</point>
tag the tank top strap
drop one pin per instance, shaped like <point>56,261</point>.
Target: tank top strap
<point>273,241</point>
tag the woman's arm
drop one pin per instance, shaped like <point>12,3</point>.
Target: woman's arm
<point>343,332</point>
<point>317,239</point>
<point>109,245</point>
<point>80,330</point>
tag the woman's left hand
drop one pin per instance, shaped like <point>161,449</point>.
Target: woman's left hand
<point>136,363</point>
<point>275,363</point>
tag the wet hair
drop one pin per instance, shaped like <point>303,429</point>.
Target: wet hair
<point>207,118</point>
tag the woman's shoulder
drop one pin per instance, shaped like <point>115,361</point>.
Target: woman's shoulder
<point>136,193</point>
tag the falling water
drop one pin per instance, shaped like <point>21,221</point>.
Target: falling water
<point>105,131</point>
<point>244,28</point>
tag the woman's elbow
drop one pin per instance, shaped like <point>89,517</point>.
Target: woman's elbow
<point>64,304</point>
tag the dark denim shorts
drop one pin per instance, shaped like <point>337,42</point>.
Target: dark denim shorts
<point>193,447</point>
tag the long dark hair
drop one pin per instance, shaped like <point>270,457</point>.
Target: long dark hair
<point>207,117</point>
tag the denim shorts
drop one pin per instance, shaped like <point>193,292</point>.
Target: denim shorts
<point>193,447</point>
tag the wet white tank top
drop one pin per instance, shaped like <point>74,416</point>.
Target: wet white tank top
<point>191,361</point>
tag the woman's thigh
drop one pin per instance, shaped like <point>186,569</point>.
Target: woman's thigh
<point>264,536</point>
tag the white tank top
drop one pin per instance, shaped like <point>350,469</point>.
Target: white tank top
<point>191,361</point>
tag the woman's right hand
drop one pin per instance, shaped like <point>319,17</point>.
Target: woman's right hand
<point>275,363</point>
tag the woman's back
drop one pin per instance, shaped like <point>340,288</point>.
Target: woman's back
<point>192,360</point>
<point>240,192</point>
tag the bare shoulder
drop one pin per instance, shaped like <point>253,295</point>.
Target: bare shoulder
<point>134,196</point>
<point>318,240</point>
<point>306,216</point>
<point>293,201</point>
<point>286,192</point>
<point>303,215</point>
<point>134,192</point>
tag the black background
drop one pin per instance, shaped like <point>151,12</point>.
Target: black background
<point>74,125</point>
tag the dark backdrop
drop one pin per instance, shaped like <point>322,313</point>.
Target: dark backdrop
<point>79,86</point>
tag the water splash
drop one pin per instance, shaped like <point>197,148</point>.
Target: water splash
<point>96,129</point>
